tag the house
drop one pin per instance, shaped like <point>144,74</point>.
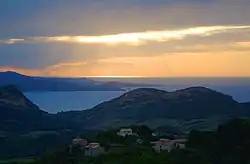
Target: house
<point>125,132</point>
<point>80,142</point>
<point>168,145</point>
<point>162,145</point>
<point>179,143</point>
<point>94,149</point>
<point>89,149</point>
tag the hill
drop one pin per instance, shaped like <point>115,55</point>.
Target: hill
<point>156,108</point>
<point>29,83</point>
<point>27,130</point>
<point>227,144</point>
<point>19,114</point>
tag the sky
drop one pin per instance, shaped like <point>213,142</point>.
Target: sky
<point>125,38</point>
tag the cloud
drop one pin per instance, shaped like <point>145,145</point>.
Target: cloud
<point>243,44</point>
<point>31,72</point>
<point>178,64</point>
<point>135,38</point>
<point>51,37</point>
<point>49,18</point>
<point>78,69</point>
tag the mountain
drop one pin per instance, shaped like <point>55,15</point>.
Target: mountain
<point>18,114</point>
<point>246,105</point>
<point>193,106</point>
<point>26,130</point>
<point>29,83</point>
<point>153,106</point>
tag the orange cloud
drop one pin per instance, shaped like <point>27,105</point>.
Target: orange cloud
<point>243,44</point>
<point>31,72</point>
<point>175,65</point>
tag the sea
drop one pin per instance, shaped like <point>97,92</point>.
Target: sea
<point>54,102</point>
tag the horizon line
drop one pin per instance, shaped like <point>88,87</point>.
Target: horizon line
<point>127,77</point>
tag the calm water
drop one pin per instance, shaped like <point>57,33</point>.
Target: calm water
<point>54,102</point>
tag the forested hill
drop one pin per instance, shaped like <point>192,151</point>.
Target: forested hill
<point>228,144</point>
<point>27,130</point>
<point>18,114</point>
<point>157,108</point>
<point>140,106</point>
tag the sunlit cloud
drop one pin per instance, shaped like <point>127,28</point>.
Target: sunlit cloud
<point>243,44</point>
<point>136,38</point>
<point>11,41</point>
<point>227,64</point>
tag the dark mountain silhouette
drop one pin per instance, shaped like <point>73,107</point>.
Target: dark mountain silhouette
<point>29,83</point>
<point>18,114</point>
<point>246,105</point>
<point>27,130</point>
<point>144,105</point>
<point>152,105</point>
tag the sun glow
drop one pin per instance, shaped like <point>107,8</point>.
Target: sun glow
<point>115,76</point>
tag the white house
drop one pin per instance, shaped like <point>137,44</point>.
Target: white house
<point>179,143</point>
<point>125,132</point>
<point>94,149</point>
<point>162,145</point>
<point>168,145</point>
<point>79,141</point>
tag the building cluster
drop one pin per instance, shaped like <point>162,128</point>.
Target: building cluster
<point>95,149</point>
<point>90,149</point>
<point>168,145</point>
<point>158,146</point>
<point>126,132</point>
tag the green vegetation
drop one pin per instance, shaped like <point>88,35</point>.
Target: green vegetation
<point>26,131</point>
<point>229,144</point>
<point>18,161</point>
<point>185,109</point>
<point>110,136</point>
